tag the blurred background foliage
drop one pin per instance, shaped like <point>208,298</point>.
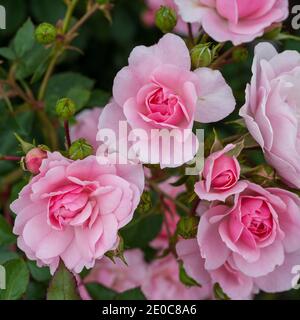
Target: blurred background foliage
<point>86,77</point>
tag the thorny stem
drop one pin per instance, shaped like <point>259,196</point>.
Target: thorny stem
<point>67,132</point>
<point>223,59</point>
<point>10,158</point>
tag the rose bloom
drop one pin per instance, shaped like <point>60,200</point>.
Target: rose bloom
<point>86,126</point>
<point>171,216</point>
<point>237,21</point>
<point>117,276</point>
<point>154,5</point>
<point>162,283</point>
<point>233,282</point>
<point>257,240</point>
<point>220,176</point>
<point>72,210</point>
<point>272,107</point>
<point>158,90</point>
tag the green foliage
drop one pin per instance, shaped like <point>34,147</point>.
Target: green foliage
<point>63,285</point>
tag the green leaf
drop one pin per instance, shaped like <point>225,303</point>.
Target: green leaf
<point>17,279</point>
<point>99,292</point>
<point>219,293</point>
<point>6,235</point>
<point>80,96</point>
<point>98,98</point>
<point>24,39</point>
<point>185,278</point>
<point>48,11</point>
<point>63,285</point>
<point>133,294</point>
<point>6,255</point>
<point>63,84</point>
<point>38,273</point>
<point>7,53</point>
<point>150,224</point>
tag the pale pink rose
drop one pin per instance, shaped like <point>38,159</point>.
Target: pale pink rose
<point>73,210</point>
<point>162,283</point>
<point>220,177</point>
<point>159,91</point>
<point>117,276</point>
<point>154,5</point>
<point>234,283</point>
<point>258,237</point>
<point>171,216</point>
<point>271,111</point>
<point>237,21</point>
<point>34,159</point>
<point>86,126</point>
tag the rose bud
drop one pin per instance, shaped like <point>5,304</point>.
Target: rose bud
<point>166,19</point>
<point>45,33</point>
<point>220,176</point>
<point>34,159</point>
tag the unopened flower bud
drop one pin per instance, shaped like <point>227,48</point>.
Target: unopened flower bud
<point>240,55</point>
<point>166,19</point>
<point>187,227</point>
<point>34,159</point>
<point>201,56</point>
<point>65,108</point>
<point>45,33</point>
<point>80,149</point>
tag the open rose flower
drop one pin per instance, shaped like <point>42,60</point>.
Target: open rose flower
<point>154,5</point>
<point>258,238</point>
<point>118,276</point>
<point>159,91</point>
<point>233,20</point>
<point>233,282</point>
<point>162,283</point>
<point>271,111</point>
<point>86,126</point>
<point>72,210</point>
<point>220,176</point>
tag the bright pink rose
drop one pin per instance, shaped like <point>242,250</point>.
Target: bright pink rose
<point>87,126</point>
<point>271,109</point>
<point>117,276</point>
<point>220,177</point>
<point>154,5</point>
<point>73,210</point>
<point>34,159</point>
<point>162,283</point>
<point>258,237</point>
<point>171,217</point>
<point>234,20</point>
<point>234,283</point>
<point>159,91</point>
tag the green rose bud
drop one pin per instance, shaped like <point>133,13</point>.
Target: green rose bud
<point>65,108</point>
<point>201,55</point>
<point>240,55</point>
<point>80,149</point>
<point>187,227</point>
<point>166,19</point>
<point>45,33</point>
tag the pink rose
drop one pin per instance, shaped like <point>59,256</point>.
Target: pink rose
<point>154,5</point>
<point>233,282</point>
<point>258,237</point>
<point>162,283</point>
<point>220,177</point>
<point>73,210</point>
<point>234,20</point>
<point>117,276</point>
<point>34,159</point>
<point>87,126</point>
<point>271,109</point>
<point>159,91</point>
